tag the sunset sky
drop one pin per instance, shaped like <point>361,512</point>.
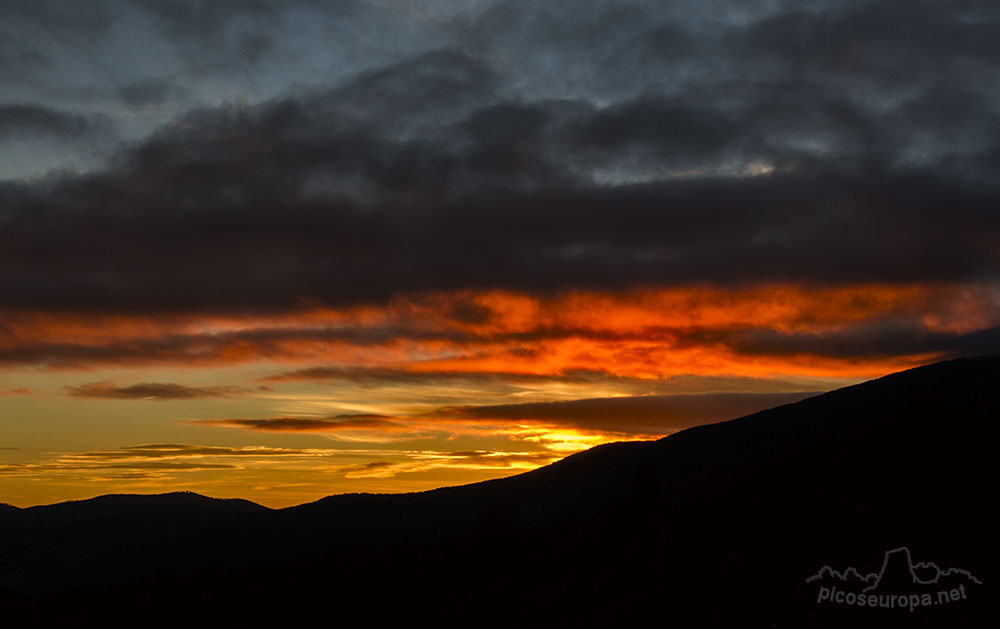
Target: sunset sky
<point>278,251</point>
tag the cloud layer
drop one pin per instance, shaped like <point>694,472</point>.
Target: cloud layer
<point>725,149</point>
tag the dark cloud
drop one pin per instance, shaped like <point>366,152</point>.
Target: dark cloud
<point>217,35</point>
<point>649,415</point>
<point>187,18</point>
<point>439,86</point>
<point>897,42</point>
<point>20,58</point>
<point>57,20</point>
<point>371,375</point>
<point>173,450</point>
<point>238,205</point>
<point>335,423</point>
<point>206,347</point>
<point>226,26</point>
<point>36,37</point>
<point>151,390</point>
<point>606,49</point>
<point>870,341</point>
<point>151,92</point>
<point>26,120</point>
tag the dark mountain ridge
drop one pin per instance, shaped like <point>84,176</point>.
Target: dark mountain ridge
<point>125,505</point>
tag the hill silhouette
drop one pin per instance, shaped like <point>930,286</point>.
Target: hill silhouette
<point>718,525</point>
<point>126,505</point>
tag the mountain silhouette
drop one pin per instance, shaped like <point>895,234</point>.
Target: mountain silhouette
<point>717,525</point>
<point>133,505</point>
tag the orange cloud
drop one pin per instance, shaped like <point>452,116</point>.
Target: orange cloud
<point>854,331</point>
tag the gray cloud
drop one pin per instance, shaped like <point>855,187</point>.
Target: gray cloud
<point>336,214</point>
<point>20,58</point>
<point>20,120</point>
<point>151,92</point>
<point>151,390</point>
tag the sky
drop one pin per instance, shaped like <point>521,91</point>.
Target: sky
<point>281,250</point>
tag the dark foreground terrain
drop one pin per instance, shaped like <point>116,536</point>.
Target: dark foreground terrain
<point>725,525</point>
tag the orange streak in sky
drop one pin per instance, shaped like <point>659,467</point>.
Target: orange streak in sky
<point>642,333</point>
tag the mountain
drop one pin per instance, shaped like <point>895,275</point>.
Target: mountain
<point>719,525</point>
<point>128,505</point>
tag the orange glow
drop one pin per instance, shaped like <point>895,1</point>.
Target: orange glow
<point>639,334</point>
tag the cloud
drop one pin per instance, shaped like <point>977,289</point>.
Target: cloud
<point>870,341</point>
<point>19,57</point>
<point>477,460</point>
<point>350,427</point>
<point>638,417</point>
<point>164,465</point>
<point>151,390</point>
<point>27,120</point>
<point>570,338</point>
<point>645,415</point>
<point>206,347</point>
<point>151,92</point>
<point>178,450</point>
<point>352,422</point>
<point>189,18</point>
<point>374,375</point>
<point>151,460</point>
<point>334,213</point>
<point>898,43</point>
